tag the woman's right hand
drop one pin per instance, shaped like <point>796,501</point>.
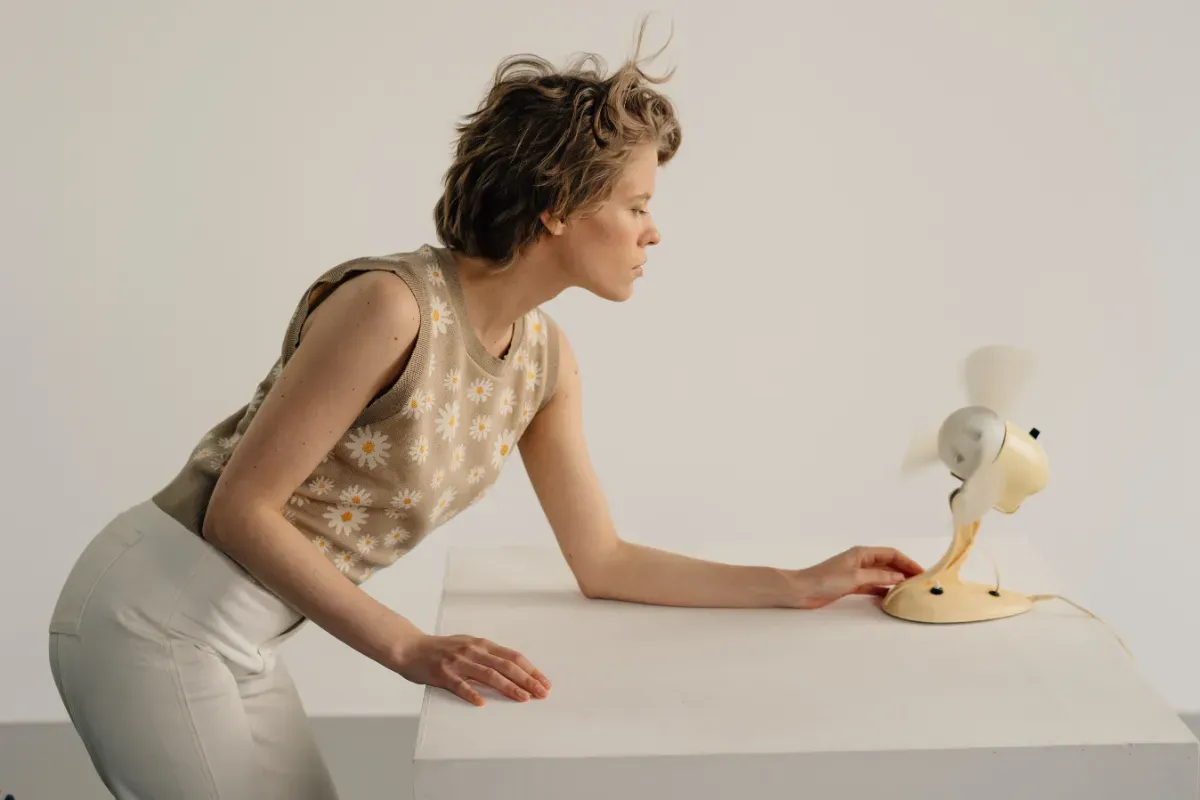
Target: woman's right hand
<point>450,662</point>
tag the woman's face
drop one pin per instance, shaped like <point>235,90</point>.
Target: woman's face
<point>604,251</point>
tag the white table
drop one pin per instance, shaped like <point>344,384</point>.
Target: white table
<point>844,702</point>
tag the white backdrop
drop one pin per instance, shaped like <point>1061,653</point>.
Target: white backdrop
<point>866,191</point>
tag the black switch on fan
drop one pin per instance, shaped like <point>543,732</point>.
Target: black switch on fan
<point>1034,433</point>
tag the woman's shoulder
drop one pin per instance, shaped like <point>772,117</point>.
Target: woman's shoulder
<point>377,300</point>
<point>396,287</point>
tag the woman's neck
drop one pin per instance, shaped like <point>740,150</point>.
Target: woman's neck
<point>496,297</point>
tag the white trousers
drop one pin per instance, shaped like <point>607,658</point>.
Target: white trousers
<point>164,654</point>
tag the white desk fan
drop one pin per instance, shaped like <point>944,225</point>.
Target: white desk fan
<point>1000,466</point>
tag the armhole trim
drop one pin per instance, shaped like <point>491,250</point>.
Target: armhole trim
<point>552,347</point>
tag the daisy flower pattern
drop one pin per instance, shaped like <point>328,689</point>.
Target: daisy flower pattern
<point>406,499</point>
<point>481,390</point>
<point>447,423</point>
<point>345,561</point>
<point>519,360</point>
<point>356,496</point>
<point>481,427</point>
<point>502,448</point>
<point>508,399</point>
<point>440,317</point>
<point>320,486</point>
<point>346,520</point>
<point>369,447</point>
<point>537,328</point>
<point>428,445</point>
<point>443,503</point>
<point>436,278</point>
<point>415,406</point>
<point>533,375</point>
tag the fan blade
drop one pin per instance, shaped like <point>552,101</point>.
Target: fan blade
<point>979,494</point>
<point>922,451</point>
<point>996,375</point>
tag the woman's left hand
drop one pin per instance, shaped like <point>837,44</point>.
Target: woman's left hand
<point>859,570</point>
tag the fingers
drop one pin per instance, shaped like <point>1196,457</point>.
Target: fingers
<point>513,671</point>
<point>463,689</point>
<point>878,577</point>
<point>492,677</point>
<point>906,565</point>
<point>889,558</point>
<point>471,659</point>
<point>521,661</point>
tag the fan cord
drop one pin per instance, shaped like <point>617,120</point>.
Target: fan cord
<point>1040,598</point>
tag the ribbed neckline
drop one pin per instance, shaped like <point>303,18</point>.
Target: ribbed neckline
<point>493,364</point>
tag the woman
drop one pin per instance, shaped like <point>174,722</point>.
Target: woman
<point>404,384</point>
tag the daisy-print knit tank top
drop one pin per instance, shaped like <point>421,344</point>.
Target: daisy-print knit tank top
<point>421,452</point>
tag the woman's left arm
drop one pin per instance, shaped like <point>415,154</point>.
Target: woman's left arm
<point>605,566</point>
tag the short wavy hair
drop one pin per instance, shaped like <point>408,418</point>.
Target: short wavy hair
<point>548,140</point>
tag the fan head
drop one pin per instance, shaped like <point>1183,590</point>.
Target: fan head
<point>1024,467</point>
<point>999,464</point>
<point>968,439</point>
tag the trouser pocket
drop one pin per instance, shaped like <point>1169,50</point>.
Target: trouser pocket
<point>90,568</point>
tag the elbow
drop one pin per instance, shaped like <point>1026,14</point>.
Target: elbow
<point>221,520</point>
<point>211,529</point>
<point>599,578</point>
<point>213,526</point>
<point>592,590</point>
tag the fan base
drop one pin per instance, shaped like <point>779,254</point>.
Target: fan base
<point>918,600</point>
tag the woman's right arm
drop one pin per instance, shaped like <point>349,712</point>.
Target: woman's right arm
<point>356,343</point>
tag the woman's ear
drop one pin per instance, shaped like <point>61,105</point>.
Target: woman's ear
<point>554,225</point>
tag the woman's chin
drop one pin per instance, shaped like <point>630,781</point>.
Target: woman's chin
<point>614,291</point>
<point>620,294</point>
